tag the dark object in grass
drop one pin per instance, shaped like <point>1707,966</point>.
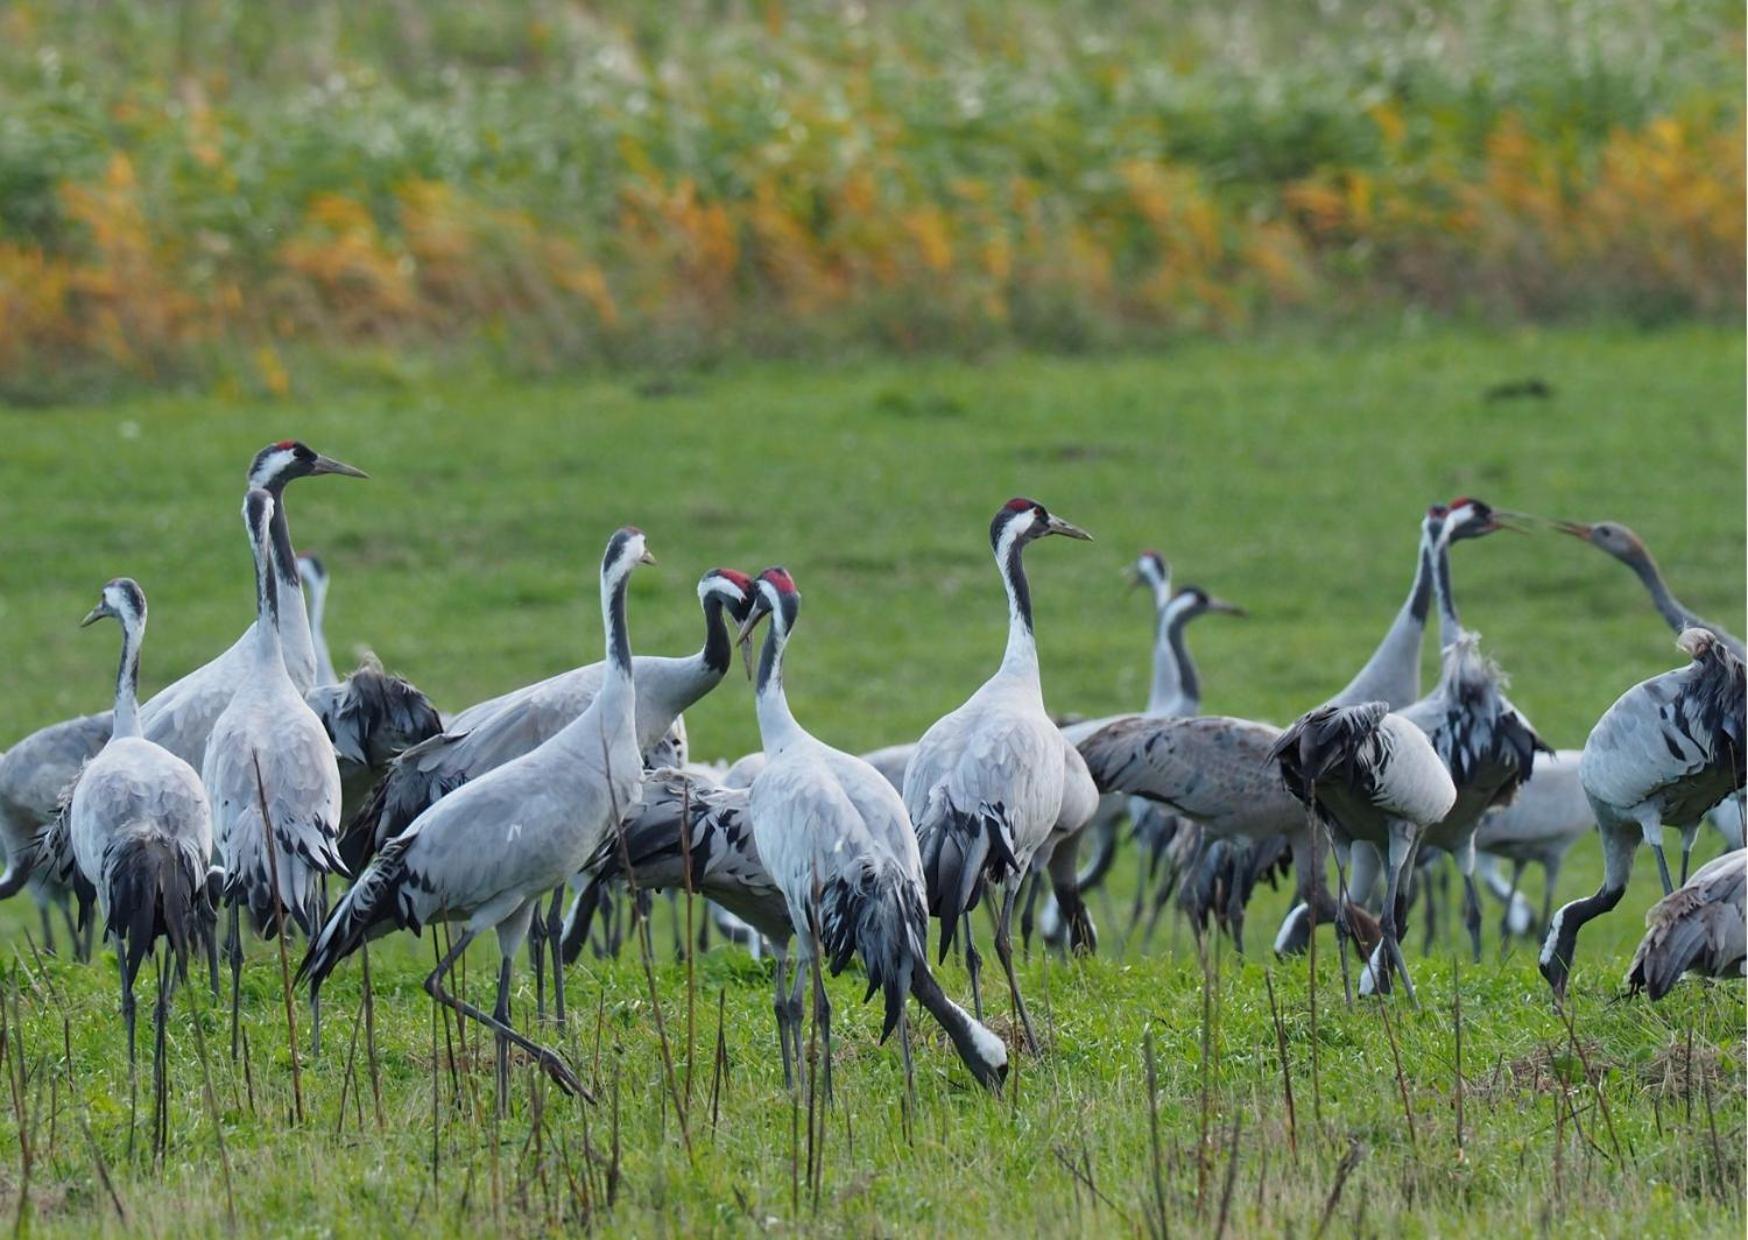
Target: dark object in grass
<point>1519,389</point>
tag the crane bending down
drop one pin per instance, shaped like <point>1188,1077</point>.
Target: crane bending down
<point>485,854</point>
<point>836,839</point>
<point>137,831</point>
<point>1371,774</point>
<point>986,783</point>
<point>1698,928</point>
<point>272,777</point>
<point>1669,749</point>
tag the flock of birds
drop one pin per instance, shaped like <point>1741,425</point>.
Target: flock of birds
<point>251,781</point>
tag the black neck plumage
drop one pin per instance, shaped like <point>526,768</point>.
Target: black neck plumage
<point>1013,568</point>
<point>620,638</point>
<point>1189,685</point>
<point>717,650</point>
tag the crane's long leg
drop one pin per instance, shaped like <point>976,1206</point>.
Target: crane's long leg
<point>1404,844</point>
<point>1652,831</point>
<point>48,927</point>
<point>974,966</point>
<point>1619,847</point>
<point>537,962</point>
<point>554,936</point>
<point>501,1013</point>
<point>1688,835</point>
<point>780,1006</point>
<point>1032,882</point>
<point>822,1012</point>
<point>797,982</point>
<point>235,951</point>
<point>1510,900</point>
<point>1550,879</point>
<point>127,1010</point>
<point>1004,950</point>
<point>548,1059</point>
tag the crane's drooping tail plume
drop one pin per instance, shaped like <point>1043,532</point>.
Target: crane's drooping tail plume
<point>156,887</point>
<point>960,852</point>
<point>1697,927</point>
<point>1323,741</point>
<point>373,907</point>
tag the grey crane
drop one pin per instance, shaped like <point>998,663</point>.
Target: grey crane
<point>1667,750</point>
<point>836,839</point>
<point>1211,770</point>
<point>271,775</point>
<point>181,716</point>
<point>485,736</point>
<point>485,854</point>
<point>314,575</point>
<point>1370,774</point>
<point>985,786</point>
<point>1626,546</point>
<point>1700,927</point>
<point>137,832</point>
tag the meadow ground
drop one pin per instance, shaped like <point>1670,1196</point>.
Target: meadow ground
<point>1287,476</point>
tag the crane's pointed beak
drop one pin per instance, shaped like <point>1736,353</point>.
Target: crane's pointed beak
<point>744,638</point>
<point>1577,529</point>
<point>1056,525</point>
<point>646,558</point>
<point>1226,608</point>
<point>94,615</point>
<point>1505,519</point>
<point>328,465</point>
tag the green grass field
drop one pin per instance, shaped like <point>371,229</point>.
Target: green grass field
<point>1287,476</point>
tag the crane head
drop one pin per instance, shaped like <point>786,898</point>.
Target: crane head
<point>625,551</point>
<point>775,595</point>
<point>1467,517</point>
<point>1196,601</point>
<point>1027,520</point>
<point>1149,569</point>
<point>279,463</point>
<point>123,599</point>
<point>1610,536</point>
<point>734,589</point>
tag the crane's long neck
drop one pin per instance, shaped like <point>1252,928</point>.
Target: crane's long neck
<point>717,652</point>
<point>1021,656</point>
<point>1675,614</point>
<point>1449,626</point>
<point>618,674</point>
<point>1189,694</point>
<point>297,645</point>
<point>777,726</point>
<point>1392,674</point>
<point>268,648</point>
<point>1167,686</point>
<point>318,608</point>
<point>127,679</point>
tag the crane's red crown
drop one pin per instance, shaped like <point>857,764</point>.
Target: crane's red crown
<point>1020,504</point>
<point>780,578</point>
<point>740,579</point>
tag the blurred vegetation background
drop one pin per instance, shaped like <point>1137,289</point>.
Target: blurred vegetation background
<point>229,196</point>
